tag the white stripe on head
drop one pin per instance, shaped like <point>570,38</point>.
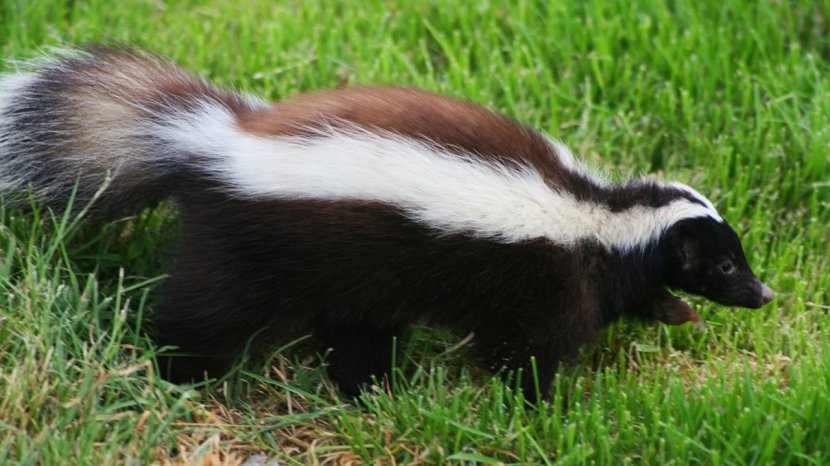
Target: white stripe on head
<point>447,192</point>
<point>700,197</point>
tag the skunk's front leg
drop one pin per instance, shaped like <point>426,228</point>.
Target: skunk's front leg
<point>669,309</point>
<point>511,352</point>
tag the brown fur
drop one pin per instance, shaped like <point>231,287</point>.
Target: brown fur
<point>420,115</point>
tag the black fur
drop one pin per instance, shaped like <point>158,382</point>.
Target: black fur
<point>356,275</point>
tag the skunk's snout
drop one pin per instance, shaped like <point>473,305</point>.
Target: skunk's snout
<point>752,294</point>
<point>766,293</point>
<point>760,295</point>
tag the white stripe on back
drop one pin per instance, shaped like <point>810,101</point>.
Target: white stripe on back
<point>447,192</point>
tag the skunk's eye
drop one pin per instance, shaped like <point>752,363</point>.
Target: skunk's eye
<point>726,267</point>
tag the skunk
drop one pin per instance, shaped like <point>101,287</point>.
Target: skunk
<point>351,214</point>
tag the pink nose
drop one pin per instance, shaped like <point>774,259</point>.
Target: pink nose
<point>766,293</point>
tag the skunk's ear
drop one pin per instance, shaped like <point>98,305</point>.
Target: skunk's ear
<point>680,245</point>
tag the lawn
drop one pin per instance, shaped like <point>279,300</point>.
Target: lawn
<point>729,96</point>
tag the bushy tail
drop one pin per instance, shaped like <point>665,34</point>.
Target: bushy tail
<point>97,118</point>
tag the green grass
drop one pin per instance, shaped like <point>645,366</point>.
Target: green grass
<point>730,96</point>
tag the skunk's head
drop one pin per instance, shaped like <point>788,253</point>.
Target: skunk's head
<point>704,256</point>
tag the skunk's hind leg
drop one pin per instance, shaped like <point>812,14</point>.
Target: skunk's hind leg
<point>208,328</point>
<point>194,351</point>
<point>358,353</point>
<point>185,368</point>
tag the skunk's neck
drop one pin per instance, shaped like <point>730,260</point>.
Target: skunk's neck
<point>634,277</point>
